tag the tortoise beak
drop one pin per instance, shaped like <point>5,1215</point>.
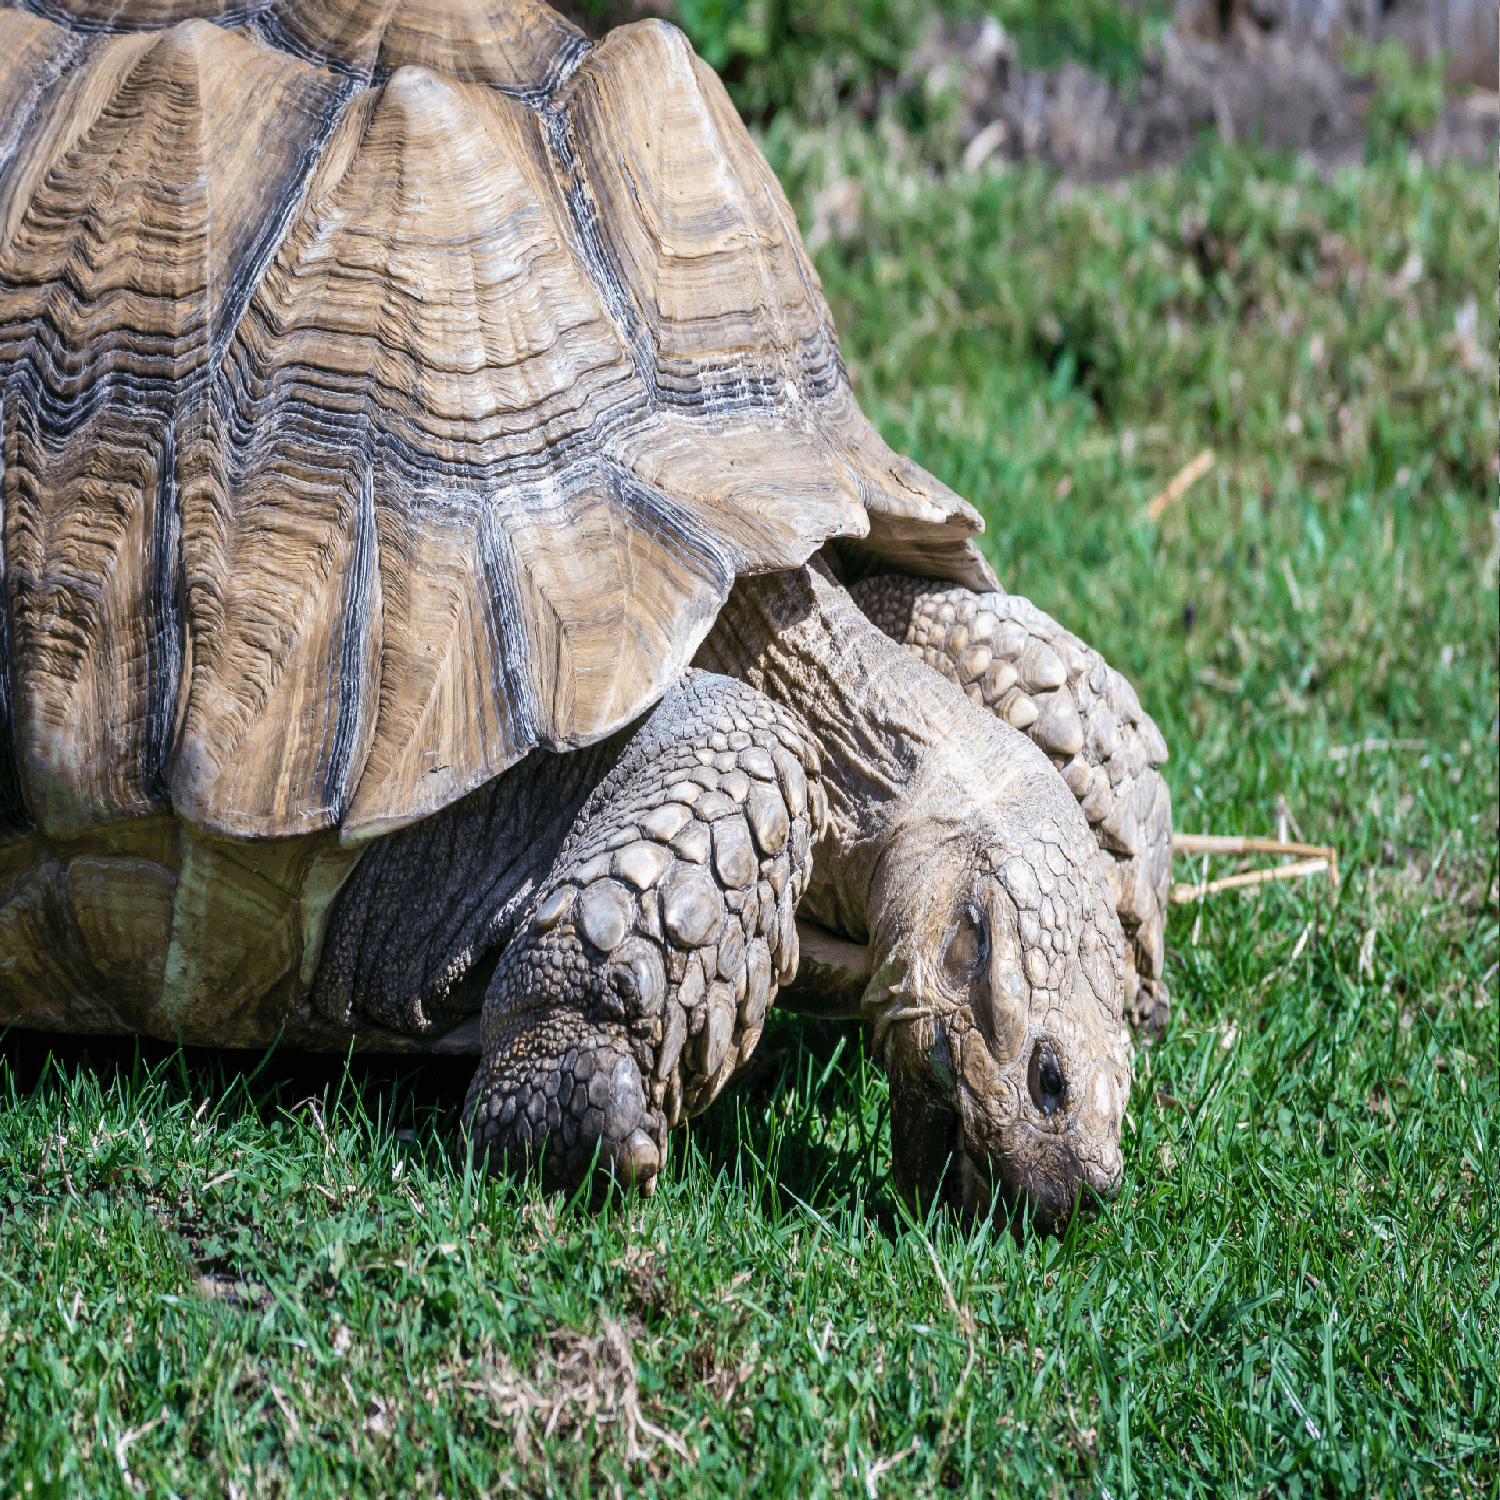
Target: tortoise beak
<point>1043,1183</point>
<point>1022,1177</point>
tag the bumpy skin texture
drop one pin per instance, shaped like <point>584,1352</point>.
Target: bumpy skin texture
<point>639,980</point>
<point>1018,662</point>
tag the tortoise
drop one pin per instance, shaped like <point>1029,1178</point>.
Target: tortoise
<point>454,603</point>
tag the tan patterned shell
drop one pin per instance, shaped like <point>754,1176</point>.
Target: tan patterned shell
<point>388,387</point>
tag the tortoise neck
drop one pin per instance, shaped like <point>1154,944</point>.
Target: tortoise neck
<point>876,713</point>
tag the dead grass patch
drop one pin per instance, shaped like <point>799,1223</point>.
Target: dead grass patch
<point>580,1383</point>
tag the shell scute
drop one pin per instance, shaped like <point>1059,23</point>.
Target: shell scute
<point>119,233</point>
<point>707,253</point>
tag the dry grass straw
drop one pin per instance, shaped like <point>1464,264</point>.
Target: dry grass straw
<point>1316,859</point>
<point>1181,483</point>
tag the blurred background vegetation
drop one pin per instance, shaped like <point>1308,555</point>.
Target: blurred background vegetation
<point>814,58</point>
<point>781,54</point>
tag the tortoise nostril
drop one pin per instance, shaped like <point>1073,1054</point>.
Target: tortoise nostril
<point>1045,1077</point>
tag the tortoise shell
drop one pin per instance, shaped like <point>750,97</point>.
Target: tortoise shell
<point>389,387</point>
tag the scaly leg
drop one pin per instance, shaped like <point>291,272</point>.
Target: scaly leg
<point>639,980</point>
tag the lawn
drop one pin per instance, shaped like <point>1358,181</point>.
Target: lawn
<point>249,1276</point>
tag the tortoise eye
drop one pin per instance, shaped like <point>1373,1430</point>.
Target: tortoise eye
<point>966,951</point>
<point>1049,1089</point>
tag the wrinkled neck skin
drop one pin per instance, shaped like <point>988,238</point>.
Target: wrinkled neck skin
<point>957,856</point>
<point>887,747</point>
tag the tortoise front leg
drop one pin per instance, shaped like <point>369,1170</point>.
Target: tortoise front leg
<point>640,978</point>
<point>1019,663</point>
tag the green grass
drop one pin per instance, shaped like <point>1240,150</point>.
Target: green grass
<point>1296,1291</point>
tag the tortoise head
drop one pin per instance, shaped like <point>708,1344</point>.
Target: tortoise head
<point>997,998</point>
